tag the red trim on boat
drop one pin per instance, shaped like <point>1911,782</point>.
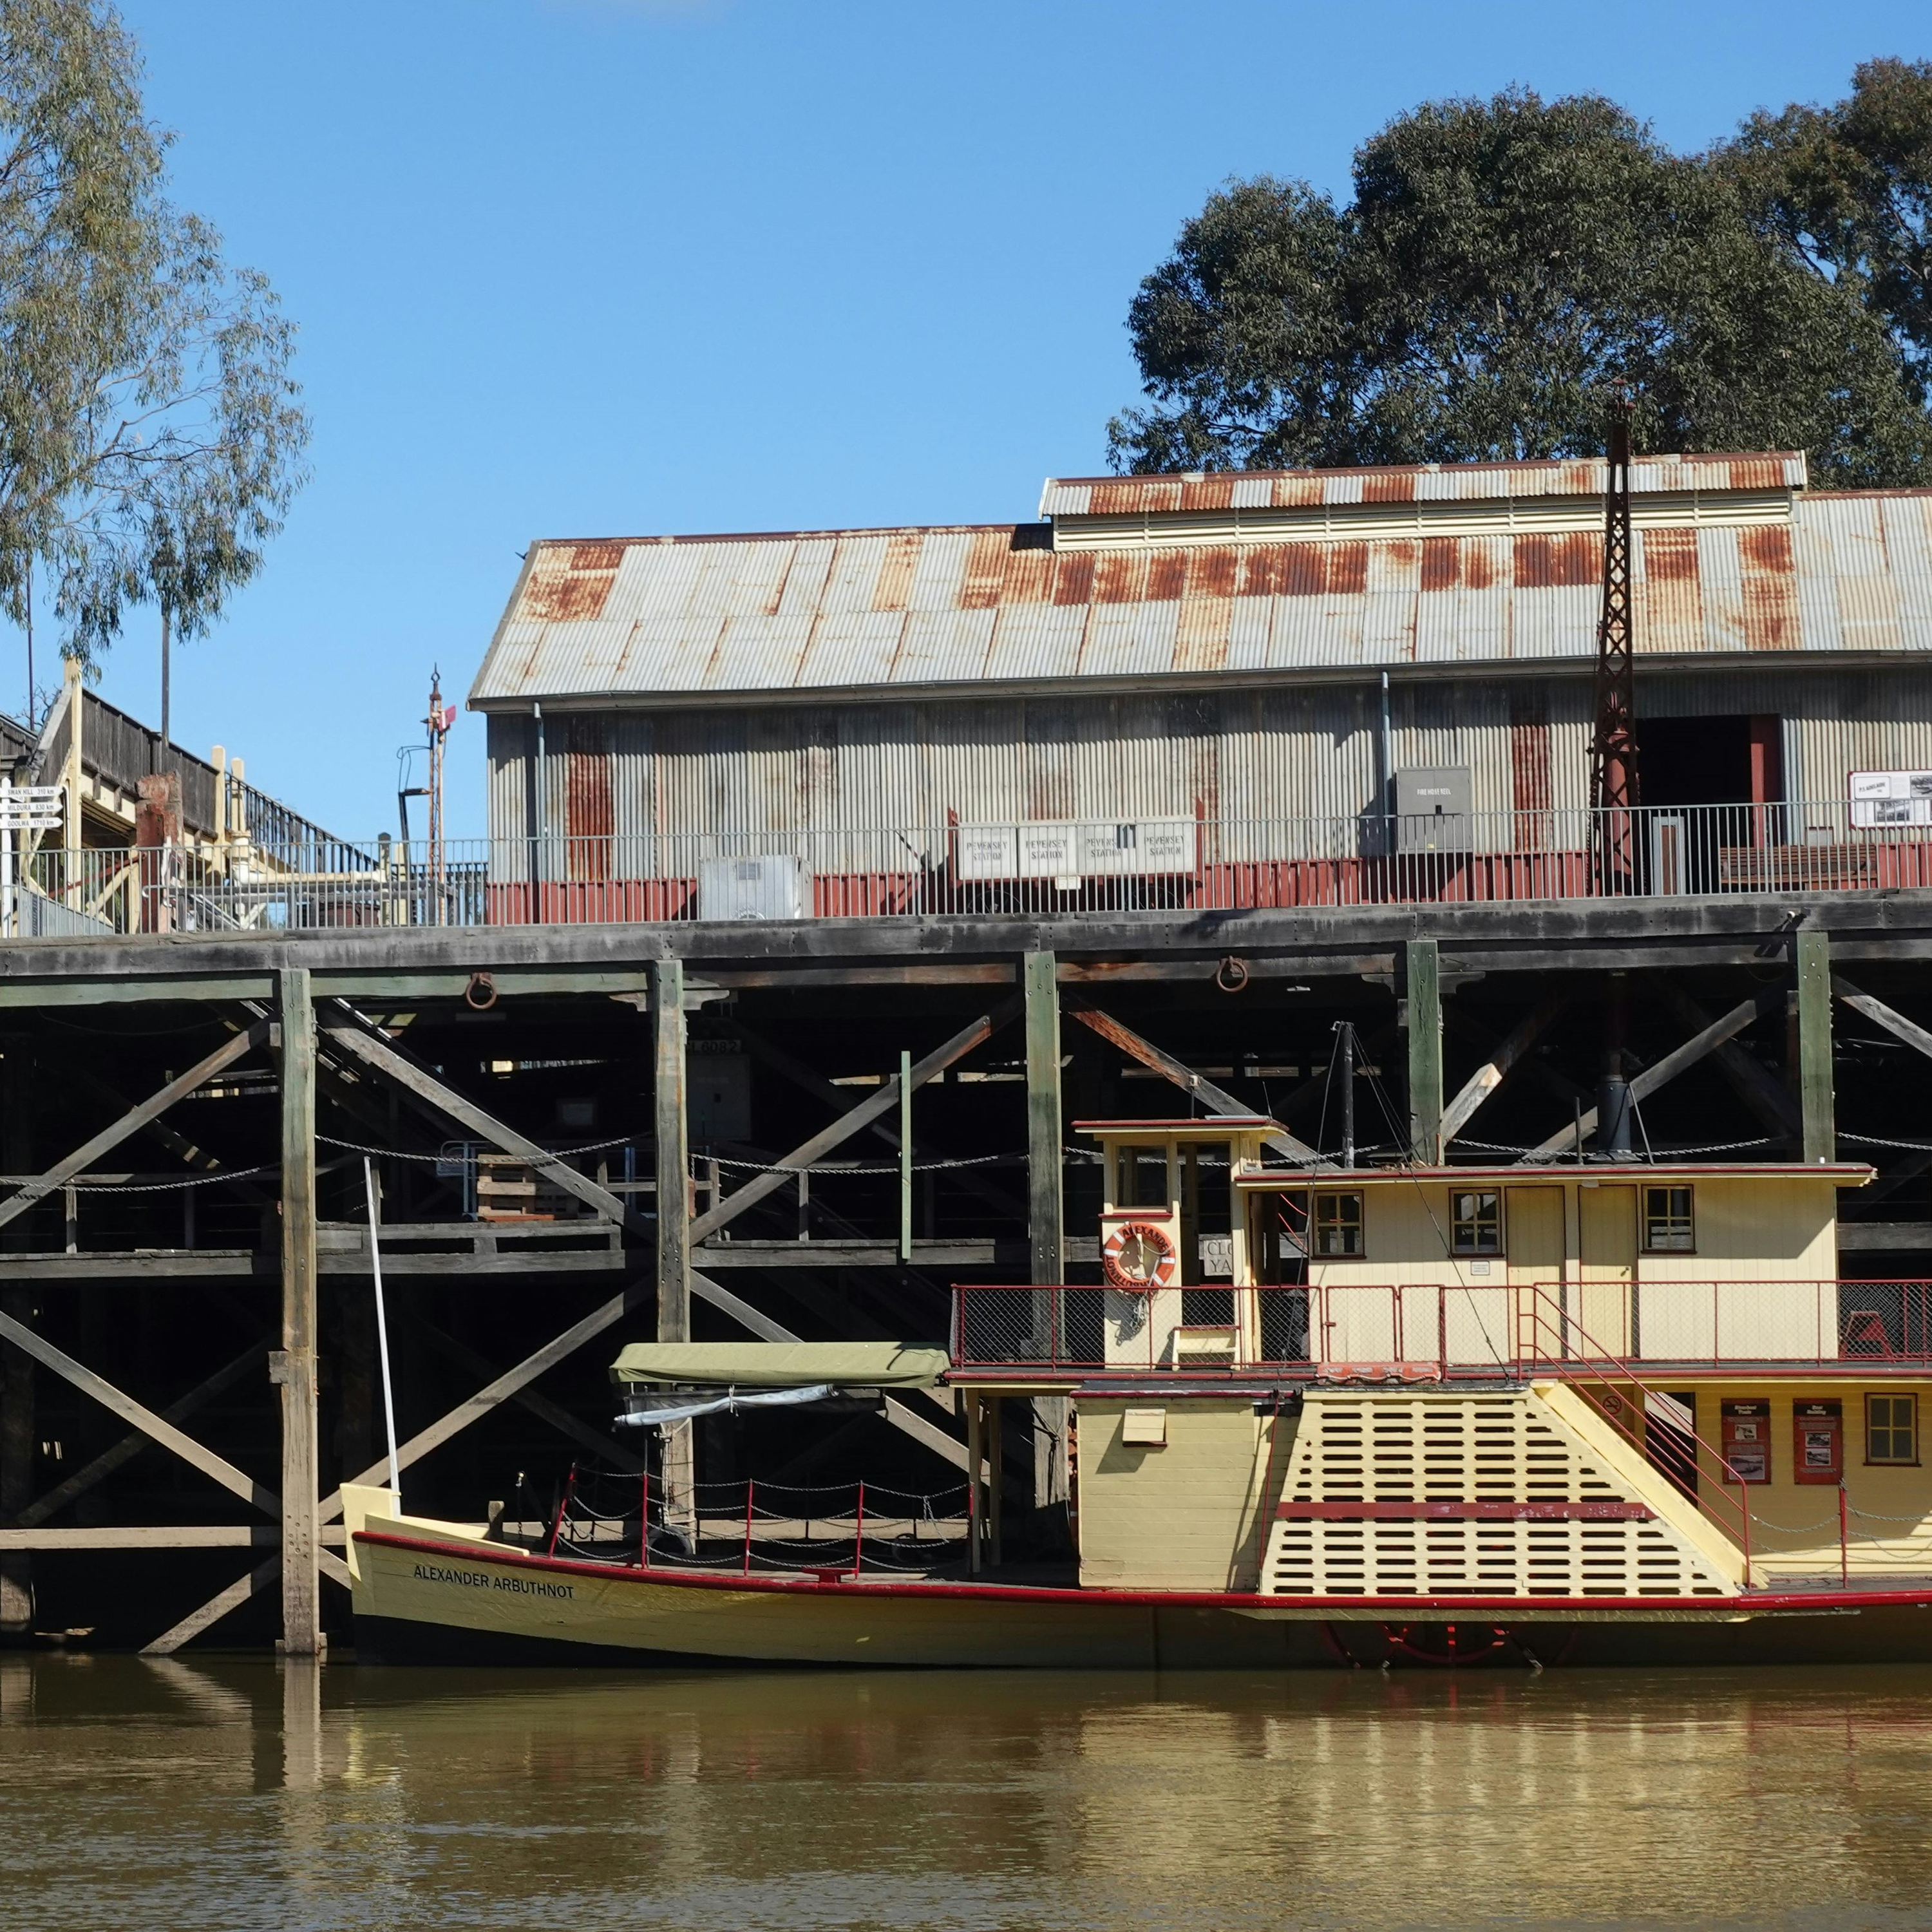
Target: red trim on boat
<point>1456,1607</point>
<point>1432,1510</point>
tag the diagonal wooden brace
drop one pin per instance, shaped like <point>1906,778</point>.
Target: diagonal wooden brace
<point>1495,1070</point>
<point>104,1465</point>
<point>164,1433</point>
<point>626,1302</point>
<point>386,1058</point>
<point>237,1593</point>
<point>1879,1013</point>
<point>42,1185</point>
<point>883,1100</point>
<point>1215,1099</point>
<point>1667,1069</point>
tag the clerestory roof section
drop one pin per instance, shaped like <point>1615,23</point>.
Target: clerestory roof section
<point>1256,576</point>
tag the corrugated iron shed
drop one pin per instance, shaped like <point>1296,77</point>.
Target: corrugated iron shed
<point>1734,557</point>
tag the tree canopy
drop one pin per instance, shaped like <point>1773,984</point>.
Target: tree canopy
<point>1505,263</point>
<point>150,437</point>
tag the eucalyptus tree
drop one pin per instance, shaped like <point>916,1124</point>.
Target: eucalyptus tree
<point>1503,263</point>
<point>151,435</point>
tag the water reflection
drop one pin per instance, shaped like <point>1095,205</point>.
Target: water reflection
<point>145,1796</point>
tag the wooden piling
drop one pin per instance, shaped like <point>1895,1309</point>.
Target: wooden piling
<point>677,1473</point>
<point>1814,963</point>
<point>1046,1208</point>
<point>292,1368</point>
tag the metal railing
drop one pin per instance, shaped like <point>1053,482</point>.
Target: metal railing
<point>1071,867</point>
<point>1441,1331</point>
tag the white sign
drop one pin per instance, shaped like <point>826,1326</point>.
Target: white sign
<point>30,807</point>
<point>1076,848</point>
<point>1891,798</point>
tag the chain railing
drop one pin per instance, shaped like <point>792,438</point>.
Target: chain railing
<point>1022,869</point>
<point>750,1526</point>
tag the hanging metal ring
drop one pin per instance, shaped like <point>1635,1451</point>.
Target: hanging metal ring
<point>1232,975</point>
<point>480,995</point>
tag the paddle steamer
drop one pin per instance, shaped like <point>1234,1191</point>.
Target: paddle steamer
<point>1590,1412</point>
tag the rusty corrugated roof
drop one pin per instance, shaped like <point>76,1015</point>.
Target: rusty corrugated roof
<point>883,611</point>
<point>1412,483</point>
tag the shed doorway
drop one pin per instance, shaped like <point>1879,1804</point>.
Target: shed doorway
<point>1704,784</point>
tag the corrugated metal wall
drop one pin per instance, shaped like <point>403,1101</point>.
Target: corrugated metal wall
<point>1309,752</point>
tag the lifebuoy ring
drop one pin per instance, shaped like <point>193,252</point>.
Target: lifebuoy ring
<point>1138,1255</point>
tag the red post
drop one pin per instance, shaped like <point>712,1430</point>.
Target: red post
<point>859,1541</point>
<point>644,1523</point>
<point>1844,1542</point>
<point>750,1486</point>
<point>1744,1512</point>
<point>562,1505</point>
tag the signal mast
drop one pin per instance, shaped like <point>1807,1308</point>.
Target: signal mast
<point>1613,751</point>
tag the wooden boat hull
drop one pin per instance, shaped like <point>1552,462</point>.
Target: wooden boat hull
<point>420,1598</point>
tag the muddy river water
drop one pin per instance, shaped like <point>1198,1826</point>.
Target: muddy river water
<point>238,1793</point>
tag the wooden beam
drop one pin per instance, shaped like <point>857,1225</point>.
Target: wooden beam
<point>1667,1069</point>
<point>386,1058</point>
<point>559,1417</point>
<point>673,1229</point>
<point>292,1368</point>
<point>884,1098</point>
<point>216,1607</point>
<point>967,974</point>
<point>455,1420</point>
<point>789,1066</point>
<point>1754,1084</point>
<point>147,1536</point>
<point>1046,1216</point>
<point>1422,993</point>
<point>928,1435</point>
<point>84,1157</point>
<point>1877,1011</point>
<point>1045,1134</point>
<point>1813,964</point>
<point>130,1445</point>
<point>747,1317</point>
<point>129,988</point>
<point>1864,1236</point>
<point>511,983</point>
<point>218,1467</point>
<point>1214,1098</point>
<point>677,1455</point>
<point>191,1153</point>
<point>1498,1067</point>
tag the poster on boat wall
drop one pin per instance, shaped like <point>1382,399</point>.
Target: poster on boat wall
<point>1891,798</point>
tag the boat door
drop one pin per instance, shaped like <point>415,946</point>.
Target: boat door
<point>1607,1260</point>
<point>1533,1228</point>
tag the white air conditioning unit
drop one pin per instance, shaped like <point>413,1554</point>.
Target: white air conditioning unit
<point>772,886</point>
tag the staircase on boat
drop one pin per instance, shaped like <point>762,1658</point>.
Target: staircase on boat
<point>1524,1492</point>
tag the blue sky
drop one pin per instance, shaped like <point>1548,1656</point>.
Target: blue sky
<point>596,267</point>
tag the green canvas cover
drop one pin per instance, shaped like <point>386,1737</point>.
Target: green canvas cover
<point>781,1364</point>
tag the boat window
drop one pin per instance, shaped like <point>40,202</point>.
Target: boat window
<point>1668,1228</point>
<point>1143,1176</point>
<point>1478,1218</point>
<point>1891,1429</point>
<point>1338,1224</point>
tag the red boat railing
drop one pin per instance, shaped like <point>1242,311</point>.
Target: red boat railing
<point>1441,1331</point>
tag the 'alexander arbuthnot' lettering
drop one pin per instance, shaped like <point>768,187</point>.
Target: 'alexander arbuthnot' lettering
<point>477,1579</point>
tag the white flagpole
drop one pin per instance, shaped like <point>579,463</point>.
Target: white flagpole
<point>382,1331</point>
